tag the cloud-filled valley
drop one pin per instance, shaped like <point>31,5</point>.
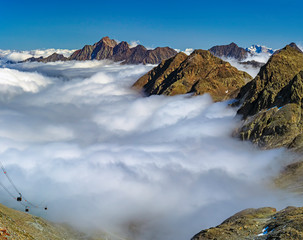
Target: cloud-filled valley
<point>76,137</point>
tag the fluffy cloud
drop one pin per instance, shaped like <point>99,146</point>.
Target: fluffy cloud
<point>16,56</point>
<point>78,139</point>
<point>134,43</point>
<point>187,51</point>
<point>14,82</point>
<point>253,71</point>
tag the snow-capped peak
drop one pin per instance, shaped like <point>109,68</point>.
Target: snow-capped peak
<point>255,49</point>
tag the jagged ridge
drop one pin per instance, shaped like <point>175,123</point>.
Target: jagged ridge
<point>107,48</point>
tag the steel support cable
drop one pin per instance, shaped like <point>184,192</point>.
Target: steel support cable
<point>9,179</point>
<point>16,189</point>
<point>9,193</point>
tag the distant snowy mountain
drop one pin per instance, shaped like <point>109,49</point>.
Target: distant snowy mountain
<point>256,49</point>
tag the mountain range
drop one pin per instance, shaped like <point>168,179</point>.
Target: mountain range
<point>110,49</point>
<point>122,52</point>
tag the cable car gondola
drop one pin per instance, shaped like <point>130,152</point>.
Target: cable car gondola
<point>19,199</point>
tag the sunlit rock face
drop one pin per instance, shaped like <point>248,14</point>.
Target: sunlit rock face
<point>272,102</point>
<point>198,73</point>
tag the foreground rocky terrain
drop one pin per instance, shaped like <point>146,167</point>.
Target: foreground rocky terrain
<point>199,73</point>
<point>109,49</point>
<point>20,225</point>
<point>259,224</point>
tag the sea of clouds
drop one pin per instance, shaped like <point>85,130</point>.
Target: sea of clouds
<point>74,136</point>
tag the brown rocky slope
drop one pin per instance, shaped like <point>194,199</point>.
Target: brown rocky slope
<point>198,73</point>
<point>20,225</point>
<point>272,102</point>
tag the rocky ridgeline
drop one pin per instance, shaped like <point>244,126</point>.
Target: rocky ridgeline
<point>109,49</point>
<point>258,224</point>
<point>200,72</point>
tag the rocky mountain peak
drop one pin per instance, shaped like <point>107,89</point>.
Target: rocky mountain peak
<point>198,73</point>
<point>273,76</point>
<point>106,41</point>
<point>288,47</point>
<point>293,45</point>
<point>272,102</point>
<point>231,50</point>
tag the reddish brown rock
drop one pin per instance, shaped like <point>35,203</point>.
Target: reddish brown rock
<point>109,49</point>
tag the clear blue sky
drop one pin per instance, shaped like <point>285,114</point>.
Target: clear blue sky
<point>32,24</point>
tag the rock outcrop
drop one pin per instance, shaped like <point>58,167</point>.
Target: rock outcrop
<point>258,224</point>
<point>198,73</point>
<point>109,49</point>
<point>229,51</point>
<point>291,178</point>
<point>272,102</point>
<point>252,63</point>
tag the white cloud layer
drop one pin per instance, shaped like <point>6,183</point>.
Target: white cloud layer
<point>16,56</point>
<point>76,137</point>
<point>252,71</point>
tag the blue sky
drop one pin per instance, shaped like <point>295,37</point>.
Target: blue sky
<point>33,24</point>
